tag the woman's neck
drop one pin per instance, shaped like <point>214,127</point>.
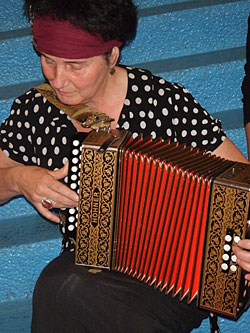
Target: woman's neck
<point>111,100</point>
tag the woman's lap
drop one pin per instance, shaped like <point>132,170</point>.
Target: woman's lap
<point>68,298</point>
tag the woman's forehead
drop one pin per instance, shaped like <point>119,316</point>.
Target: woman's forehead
<point>66,60</point>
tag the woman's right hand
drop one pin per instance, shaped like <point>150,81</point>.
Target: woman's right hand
<point>37,183</point>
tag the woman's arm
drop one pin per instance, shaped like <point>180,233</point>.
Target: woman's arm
<point>7,170</point>
<point>35,183</point>
<point>247,130</point>
<point>229,151</point>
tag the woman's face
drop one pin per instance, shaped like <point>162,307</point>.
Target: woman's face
<point>76,81</point>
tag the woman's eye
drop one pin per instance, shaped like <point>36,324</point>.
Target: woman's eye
<point>49,62</point>
<point>76,67</point>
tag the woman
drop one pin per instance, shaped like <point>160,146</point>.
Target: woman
<point>79,43</point>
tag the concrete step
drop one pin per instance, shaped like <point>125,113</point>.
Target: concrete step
<point>15,316</point>
<point>27,245</point>
<point>204,82</point>
<point>164,36</point>
<point>15,208</point>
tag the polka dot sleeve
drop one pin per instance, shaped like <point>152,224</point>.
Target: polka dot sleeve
<point>191,123</point>
<point>36,132</point>
<point>162,109</point>
<point>16,134</point>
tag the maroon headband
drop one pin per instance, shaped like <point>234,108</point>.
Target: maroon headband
<point>62,39</point>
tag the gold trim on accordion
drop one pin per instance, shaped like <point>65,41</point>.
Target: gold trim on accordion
<point>165,214</point>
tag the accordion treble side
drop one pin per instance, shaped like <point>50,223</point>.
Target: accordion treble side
<point>165,214</point>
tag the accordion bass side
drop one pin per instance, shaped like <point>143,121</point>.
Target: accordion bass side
<point>165,214</point>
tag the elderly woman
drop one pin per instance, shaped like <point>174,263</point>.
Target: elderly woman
<point>79,43</point>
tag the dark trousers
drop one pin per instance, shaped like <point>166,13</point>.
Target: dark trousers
<point>68,298</point>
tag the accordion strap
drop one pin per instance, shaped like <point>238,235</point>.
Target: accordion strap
<point>87,116</point>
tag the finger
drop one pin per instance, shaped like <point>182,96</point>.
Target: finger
<point>47,213</point>
<point>241,254</point>
<point>244,244</point>
<point>243,258</point>
<point>64,204</point>
<point>244,264</point>
<point>61,195</point>
<point>247,277</point>
<point>60,173</point>
<point>65,197</point>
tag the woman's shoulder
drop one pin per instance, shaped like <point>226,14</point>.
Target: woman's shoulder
<point>146,77</point>
<point>33,110</point>
<point>31,102</point>
<point>143,83</point>
<point>34,103</point>
<point>30,96</point>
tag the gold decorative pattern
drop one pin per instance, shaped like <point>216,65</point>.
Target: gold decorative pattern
<point>229,210</point>
<point>87,166</point>
<point>96,198</point>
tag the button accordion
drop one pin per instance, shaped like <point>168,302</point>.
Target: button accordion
<point>163,213</point>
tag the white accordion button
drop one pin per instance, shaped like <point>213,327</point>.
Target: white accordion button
<point>234,258</point>
<point>71,219</point>
<point>75,152</point>
<point>73,177</point>
<point>73,186</point>
<point>224,266</point>
<point>236,239</point>
<point>225,257</point>
<point>233,268</point>
<point>71,227</point>
<point>227,247</point>
<point>228,238</point>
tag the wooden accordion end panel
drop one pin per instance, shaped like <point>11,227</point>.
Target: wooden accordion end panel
<point>166,214</point>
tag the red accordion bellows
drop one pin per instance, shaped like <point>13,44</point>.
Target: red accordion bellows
<point>163,213</point>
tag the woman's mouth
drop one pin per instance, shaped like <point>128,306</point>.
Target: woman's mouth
<point>63,93</point>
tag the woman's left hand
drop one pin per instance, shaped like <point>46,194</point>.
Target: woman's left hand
<point>242,252</point>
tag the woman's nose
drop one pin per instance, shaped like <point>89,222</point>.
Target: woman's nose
<point>59,78</point>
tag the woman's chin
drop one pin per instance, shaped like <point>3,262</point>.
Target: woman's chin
<point>68,100</point>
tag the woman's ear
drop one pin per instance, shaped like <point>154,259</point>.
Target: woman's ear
<point>114,56</point>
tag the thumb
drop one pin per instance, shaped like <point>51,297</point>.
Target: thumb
<point>60,173</point>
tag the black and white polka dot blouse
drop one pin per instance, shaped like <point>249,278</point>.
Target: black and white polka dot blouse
<point>38,133</point>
